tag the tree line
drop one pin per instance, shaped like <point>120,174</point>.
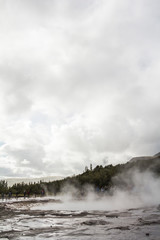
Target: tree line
<point>100,178</point>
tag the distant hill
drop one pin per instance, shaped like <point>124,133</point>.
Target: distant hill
<point>137,165</point>
<point>12,181</point>
<point>157,155</point>
<point>100,177</point>
<point>144,163</point>
<point>109,176</point>
<point>145,158</point>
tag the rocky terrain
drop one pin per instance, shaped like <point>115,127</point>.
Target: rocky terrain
<point>26,219</point>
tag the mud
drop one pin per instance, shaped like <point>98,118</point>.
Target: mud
<point>25,220</point>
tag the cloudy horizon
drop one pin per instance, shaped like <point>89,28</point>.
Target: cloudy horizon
<point>79,84</point>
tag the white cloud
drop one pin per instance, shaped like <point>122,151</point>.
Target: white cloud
<point>79,84</point>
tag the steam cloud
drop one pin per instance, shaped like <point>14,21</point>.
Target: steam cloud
<point>141,190</point>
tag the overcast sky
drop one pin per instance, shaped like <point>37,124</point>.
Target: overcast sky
<point>79,84</point>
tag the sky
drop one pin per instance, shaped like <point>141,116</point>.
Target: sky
<point>79,84</point>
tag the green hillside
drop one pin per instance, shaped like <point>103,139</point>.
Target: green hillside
<point>100,177</point>
<point>108,176</point>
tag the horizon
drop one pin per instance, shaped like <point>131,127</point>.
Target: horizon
<point>12,180</point>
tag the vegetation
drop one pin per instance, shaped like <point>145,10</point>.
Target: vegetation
<point>100,178</point>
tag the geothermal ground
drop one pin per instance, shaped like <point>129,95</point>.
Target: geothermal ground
<point>47,218</point>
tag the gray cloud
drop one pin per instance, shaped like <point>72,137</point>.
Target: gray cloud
<point>79,83</point>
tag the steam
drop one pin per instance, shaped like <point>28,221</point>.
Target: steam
<point>141,190</point>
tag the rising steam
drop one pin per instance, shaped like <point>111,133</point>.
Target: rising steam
<point>141,190</point>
